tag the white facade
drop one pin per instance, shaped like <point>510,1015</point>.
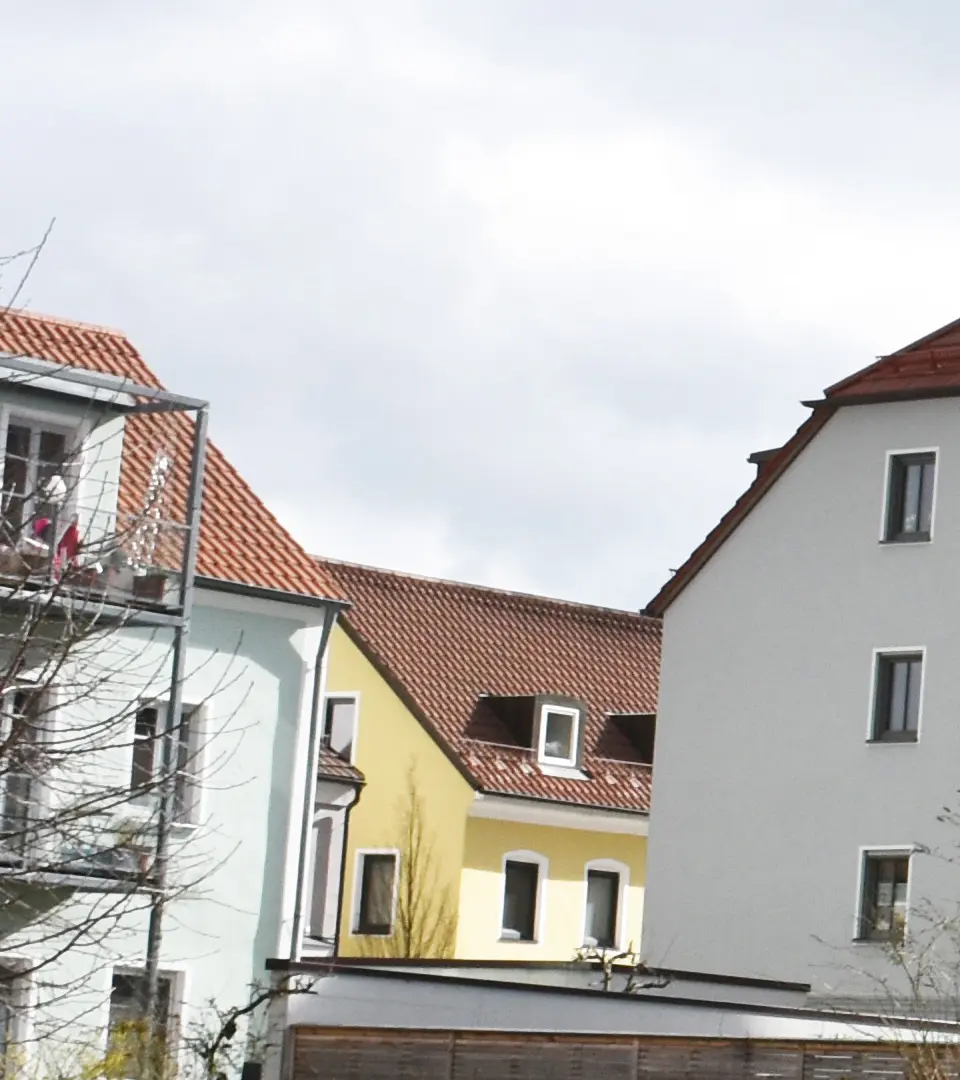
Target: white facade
<point>768,790</point>
<point>251,669</point>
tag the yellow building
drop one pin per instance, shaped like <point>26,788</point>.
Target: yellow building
<point>505,744</point>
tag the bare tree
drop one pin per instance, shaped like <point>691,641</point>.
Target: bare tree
<point>425,922</point>
<point>621,969</point>
<point>99,757</point>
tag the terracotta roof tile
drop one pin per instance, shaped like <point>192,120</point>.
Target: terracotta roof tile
<point>447,643</point>
<point>928,367</point>
<point>240,540</point>
<point>331,766</point>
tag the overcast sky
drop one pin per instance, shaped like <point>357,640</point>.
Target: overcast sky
<point>504,290</point>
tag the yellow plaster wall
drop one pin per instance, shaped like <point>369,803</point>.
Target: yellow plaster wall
<point>389,741</point>
<point>564,894</point>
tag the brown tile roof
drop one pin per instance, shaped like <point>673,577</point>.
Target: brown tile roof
<point>929,367</point>
<point>331,766</point>
<point>443,644</point>
<point>240,540</point>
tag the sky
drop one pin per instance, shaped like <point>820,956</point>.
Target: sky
<point>499,290</point>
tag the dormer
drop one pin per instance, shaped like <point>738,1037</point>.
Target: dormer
<point>628,737</point>
<point>550,725</point>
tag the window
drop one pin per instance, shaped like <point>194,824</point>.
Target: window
<point>34,455</point>
<point>883,906</point>
<point>147,765</point>
<point>910,497</point>
<point>127,1029</point>
<point>603,894</point>
<point>378,873</point>
<point>14,1003</point>
<point>520,888</point>
<point>899,677</point>
<point>559,730</point>
<point>322,841</point>
<point>339,725</point>
<point>21,721</point>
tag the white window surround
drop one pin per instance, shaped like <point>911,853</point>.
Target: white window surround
<point>22,998</point>
<point>885,504</point>
<point>612,866</point>
<point>176,1020</point>
<point>539,912</point>
<point>358,857</point>
<point>39,787</point>
<point>76,429</point>
<point>346,695</point>
<point>864,852</point>
<point>894,650</point>
<point>144,806</point>
<point>562,710</point>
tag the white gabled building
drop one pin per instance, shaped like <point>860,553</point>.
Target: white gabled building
<point>261,612</point>
<point>809,715</point>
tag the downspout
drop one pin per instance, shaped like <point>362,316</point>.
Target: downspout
<point>310,779</point>
<point>358,791</point>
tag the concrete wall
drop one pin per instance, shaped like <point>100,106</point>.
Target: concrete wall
<point>766,787</point>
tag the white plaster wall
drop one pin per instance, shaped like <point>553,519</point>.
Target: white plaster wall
<point>254,670</point>
<point>765,785</point>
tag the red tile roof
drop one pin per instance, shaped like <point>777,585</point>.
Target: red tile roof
<point>331,766</point>
<point>929,367</point>
<point>443,644</point>
<point>240,540</point>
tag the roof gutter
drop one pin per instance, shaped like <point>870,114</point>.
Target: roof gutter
<point>261,592</point>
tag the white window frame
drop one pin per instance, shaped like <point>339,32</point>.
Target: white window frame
<point>875,655</point>
<point>866,851</point>
<point>542,863</point>
<point>346,695</point>
<point>358,858</point>
<point>145,804</point>
<point>23,996</point>
<point>888,476</point>
<point>610,866</point>
<point>77,430</point>
<point>175,1006</point>
<point>39,800</point>
<point>563,710</point>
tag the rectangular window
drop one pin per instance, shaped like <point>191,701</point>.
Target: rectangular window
<point>559,732</point>
<point>377,876</point>
<point>899,677</point>
<point>339,725</point>
<point>128,1029</point>
<point>147,765</point>
<point>34,454</point>
<point>603,889</point>
<point>14,1002</point>
<point>883,907</point>
<point>520,900</point>
<point>910,497</point>
<point>21,731</point>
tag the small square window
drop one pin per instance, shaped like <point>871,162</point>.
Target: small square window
<point>559,733</point>
<point>883,905</point>
<point>910,497</point>
<point>520,900</point>
<point>377,876</point>
<point>899,677</point>
<point>603,889</point>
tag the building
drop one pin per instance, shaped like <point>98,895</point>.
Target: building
<point>119,518</point>
<point>505,742</point>
<point>808,732</point>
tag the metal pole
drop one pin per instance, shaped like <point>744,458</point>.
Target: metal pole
<point>181,637</point>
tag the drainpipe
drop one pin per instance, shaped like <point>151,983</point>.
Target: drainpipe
<point>343,869</point>
<point>310,779</point>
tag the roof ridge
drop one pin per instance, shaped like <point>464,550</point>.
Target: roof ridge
<point>56,320</point>
<point>489,590</point>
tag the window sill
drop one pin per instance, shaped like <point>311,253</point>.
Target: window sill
<point>901,541</point>
<point>517,941</point>
<point>371,933</point>
<point>893,742</point>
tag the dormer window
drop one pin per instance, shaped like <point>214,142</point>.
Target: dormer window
<point>559,735</point>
